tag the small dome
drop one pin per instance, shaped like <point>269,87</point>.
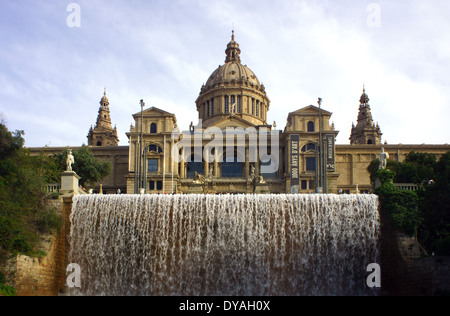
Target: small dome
<point>364,97</point>
<point>104,100</point>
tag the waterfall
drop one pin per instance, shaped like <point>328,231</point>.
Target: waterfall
<point>224,245</point>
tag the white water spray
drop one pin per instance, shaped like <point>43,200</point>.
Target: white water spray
<point>224,245</point>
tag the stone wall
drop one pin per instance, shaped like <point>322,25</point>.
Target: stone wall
<point>406,270</point>
<point>46,276</point>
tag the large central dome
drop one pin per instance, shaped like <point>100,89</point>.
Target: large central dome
<point>232,71</point>
<point>233,90</point>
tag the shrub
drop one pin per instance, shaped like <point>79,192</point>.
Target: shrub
<point>402,206</point>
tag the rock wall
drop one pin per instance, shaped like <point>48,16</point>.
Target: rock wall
<point>406,269</point>
<point>46,276</point>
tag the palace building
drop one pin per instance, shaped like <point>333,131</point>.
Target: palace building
<point>233,149</point>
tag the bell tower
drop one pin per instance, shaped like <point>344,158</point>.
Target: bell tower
<point>365,132</point>
<point>103,135</point>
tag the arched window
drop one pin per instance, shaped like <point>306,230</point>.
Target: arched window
<point>311,127</point>
<point>153,128</point>
<point>99,144</point>
<point>309,147</point>
<point>155,149</point>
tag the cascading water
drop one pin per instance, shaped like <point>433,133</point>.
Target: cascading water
<point>224,245</point>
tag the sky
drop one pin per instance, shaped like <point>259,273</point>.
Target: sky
<point>57,57</point>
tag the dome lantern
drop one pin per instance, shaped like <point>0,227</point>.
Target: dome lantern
<point>233,51</point>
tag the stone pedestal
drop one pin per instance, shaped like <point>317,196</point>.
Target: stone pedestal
<point>69,182</point>
<point>196,188</point>
<point>377,182</point>
<point>262,188</point>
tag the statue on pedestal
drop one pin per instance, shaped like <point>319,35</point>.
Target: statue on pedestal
<point>70,160</point>
<point>384,156</point>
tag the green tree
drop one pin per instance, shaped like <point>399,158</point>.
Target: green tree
<point>435,209</point>
<point>417,168</point>
<point>90,169</point>
<point>427,211</point>
<point>24,211</point>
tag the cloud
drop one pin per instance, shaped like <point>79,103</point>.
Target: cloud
<point>163,51</point>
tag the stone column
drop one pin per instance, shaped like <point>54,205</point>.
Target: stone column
<point>182,165</point>
<point>206,163</point>
<point>247,162</point>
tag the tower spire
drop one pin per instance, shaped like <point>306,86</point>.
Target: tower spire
<point>365,131</point>
<point>103,134</point>
<point>233,51</point>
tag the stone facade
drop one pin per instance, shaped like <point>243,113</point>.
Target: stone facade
<point>233,98</point>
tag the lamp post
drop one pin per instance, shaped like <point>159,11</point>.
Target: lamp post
<point>319,184</point>
<point>141,160</point>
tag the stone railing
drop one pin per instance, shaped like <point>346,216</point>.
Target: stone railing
<point>52,188</point>
<point>407,186</point>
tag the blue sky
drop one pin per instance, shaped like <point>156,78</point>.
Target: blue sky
<point>52,76</point>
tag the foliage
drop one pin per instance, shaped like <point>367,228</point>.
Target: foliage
<point>90,169</point>
<point>435,209</point>
<point>6,290</point>
<point>402,206</point>
<point>24,211</point>
<point>386,176</point>
<point>9,142</point>
<point>425,213</point>
<point>417,168</point>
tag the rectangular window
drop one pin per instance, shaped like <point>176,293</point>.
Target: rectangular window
<point>310,164</point>
<point>304,185</point>
<point>257,108</point>
<point>239,106</point>
<point>253,106</point>
<point>159,185</point>
<point>227,105</point>
<point>311,185</point>
<point>151,185</point>
<point>212,106</point>
<point>153,165</point>
<point>208,109</point>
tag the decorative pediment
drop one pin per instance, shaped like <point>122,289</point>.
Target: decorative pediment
<point>230,121</point>
<point>311,110</point>
<point>153,111</point>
